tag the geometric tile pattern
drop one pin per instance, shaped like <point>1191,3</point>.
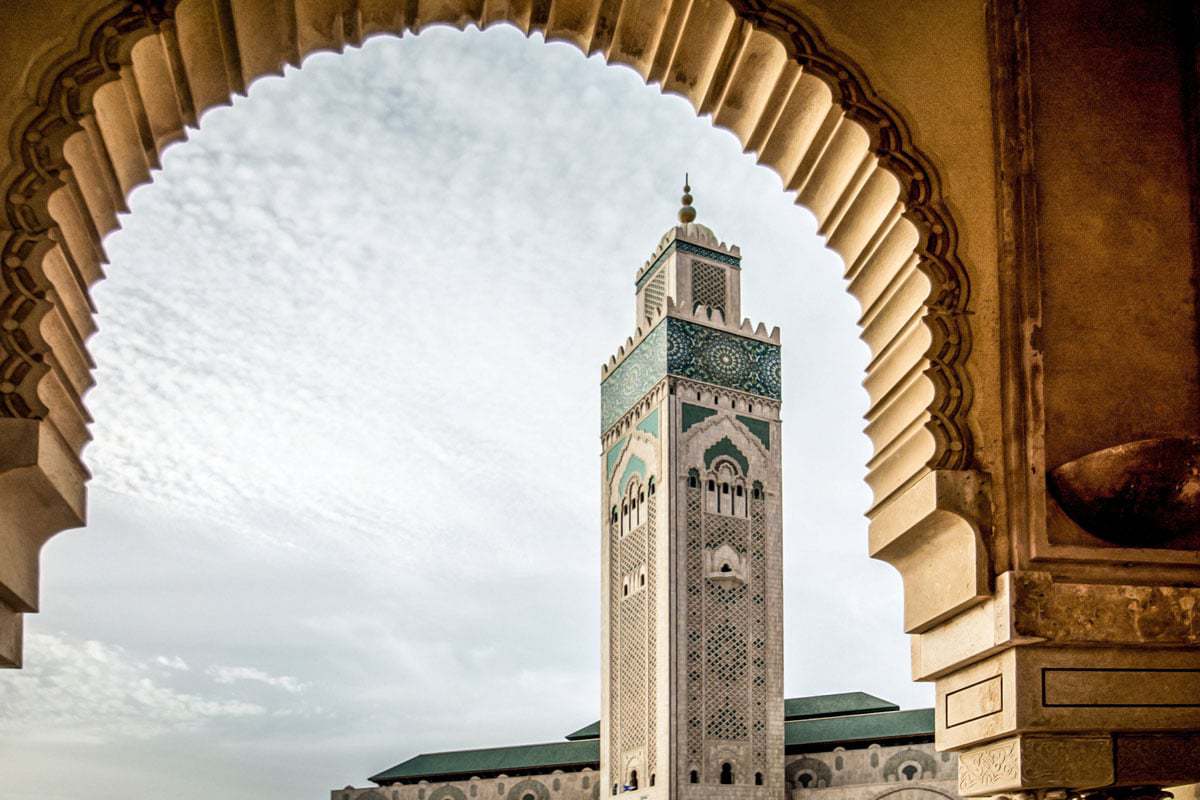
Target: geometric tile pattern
<point>694,351</point>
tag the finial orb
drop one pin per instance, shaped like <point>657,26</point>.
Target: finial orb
<point>687,213</point>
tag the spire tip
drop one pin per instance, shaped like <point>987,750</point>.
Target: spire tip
<point>687,213</point>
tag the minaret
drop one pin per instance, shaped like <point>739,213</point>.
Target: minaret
<point>691,575</point>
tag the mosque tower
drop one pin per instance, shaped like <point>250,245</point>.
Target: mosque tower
<point>691,575</point>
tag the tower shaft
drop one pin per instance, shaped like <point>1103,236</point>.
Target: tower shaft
<point>692,594</point>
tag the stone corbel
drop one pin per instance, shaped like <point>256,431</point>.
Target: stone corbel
<point>933,534</point>
<point>42,483</point>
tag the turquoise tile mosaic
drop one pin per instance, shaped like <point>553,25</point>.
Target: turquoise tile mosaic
<point>690,350</point>
<point>634,376</point>
<point>650,424</point>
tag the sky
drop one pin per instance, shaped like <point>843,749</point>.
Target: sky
<point>344,504</point>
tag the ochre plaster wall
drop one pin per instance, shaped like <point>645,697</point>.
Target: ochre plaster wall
<point>1114,224</point>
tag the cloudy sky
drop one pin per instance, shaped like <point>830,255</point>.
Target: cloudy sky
<point>344,505</point>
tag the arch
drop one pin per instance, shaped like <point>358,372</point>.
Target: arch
<point>447,792</point>
<point>807,772</point>
<point>102,109</point>
<point>925,763</point>
<point>528,786</point>
<point>914,793</point>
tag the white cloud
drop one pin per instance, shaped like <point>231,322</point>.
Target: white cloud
<point>224,674</point>
<point>346,426</point>
<point>73,690</point>
<point>172,662</point>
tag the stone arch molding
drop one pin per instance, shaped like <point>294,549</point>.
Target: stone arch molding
<point>102,111</point>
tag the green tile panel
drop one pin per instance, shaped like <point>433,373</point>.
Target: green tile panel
<point>759,427</point>
<point>694,415</point>
<point>690,350</point>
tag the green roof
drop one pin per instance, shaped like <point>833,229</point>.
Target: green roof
<point>464,763</point>
<point>812,733</point>
<point>835,705</point>
<point>811,722</point>
<point>819,705</point>
<point>586,732</point>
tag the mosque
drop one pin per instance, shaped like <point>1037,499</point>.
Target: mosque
<point>692,704</point>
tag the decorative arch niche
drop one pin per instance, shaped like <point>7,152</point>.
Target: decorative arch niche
<point>102,112</point>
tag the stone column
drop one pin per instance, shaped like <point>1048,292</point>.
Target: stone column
<point>42,483</point>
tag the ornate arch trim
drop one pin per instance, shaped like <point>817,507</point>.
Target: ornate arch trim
<point>140,73</point>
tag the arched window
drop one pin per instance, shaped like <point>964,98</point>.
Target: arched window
<point>727,773</point>
<point>694,776</point>
<point>642,579</point>
<point>652,487</point>
<point>615,515</point>
<point>614,790</point>
<point>651,778</point>
<point>910,771</point>
<point>758,779</point>
<point>633,779</point>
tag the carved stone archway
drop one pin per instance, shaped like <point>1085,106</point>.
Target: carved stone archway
<point>1001,611</point>
<point>143,72</point>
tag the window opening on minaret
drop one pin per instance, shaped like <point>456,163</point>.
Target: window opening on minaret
<point>694,776</point>
<point>651,778</point>
<point>726,773</point>
<point>633,784</point>
<point>758,779</point>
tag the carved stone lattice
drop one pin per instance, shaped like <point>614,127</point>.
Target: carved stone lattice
<point>651,640</point>
<point>614,694</point>
<point>656,294</point>
<point>708,285</point>
<point>727,627</point>
<point>758,588</point>
<point>631,645</point>
<point>695,684</point>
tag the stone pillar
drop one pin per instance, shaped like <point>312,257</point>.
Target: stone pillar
<point>42,483</point>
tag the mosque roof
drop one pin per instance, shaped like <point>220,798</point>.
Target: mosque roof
<point>517,759</point>
<point>810,722</point>
<point>812,734</point>
<point>832,705</point>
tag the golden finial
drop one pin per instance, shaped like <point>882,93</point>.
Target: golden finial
<point>687,213</point>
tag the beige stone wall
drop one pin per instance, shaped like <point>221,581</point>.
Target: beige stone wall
<point>557,785</point>
<point>902,772</point>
